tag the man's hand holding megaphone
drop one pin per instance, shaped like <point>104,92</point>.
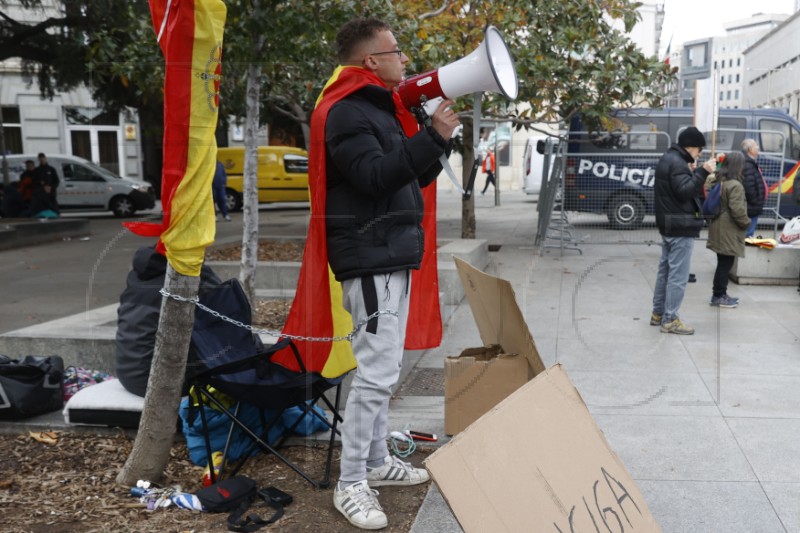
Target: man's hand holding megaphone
<point>444,120</point>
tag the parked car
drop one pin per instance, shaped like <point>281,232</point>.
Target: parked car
<point>532,165</point>
<point>87,186</point>
<point>282,174</point>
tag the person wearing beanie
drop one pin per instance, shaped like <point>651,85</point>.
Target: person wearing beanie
<point>678,190</point>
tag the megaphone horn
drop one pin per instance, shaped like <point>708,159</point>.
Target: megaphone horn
<point>489,68</point>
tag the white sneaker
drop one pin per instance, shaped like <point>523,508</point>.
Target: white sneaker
<point>359,504</point>
<point>396,472</point>
<point>228,218</point>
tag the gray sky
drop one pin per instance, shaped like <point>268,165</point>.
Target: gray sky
<point>694,19</point>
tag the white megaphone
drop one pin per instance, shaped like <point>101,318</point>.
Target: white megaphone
<point>489,68</point>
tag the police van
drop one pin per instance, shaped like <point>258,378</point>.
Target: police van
<point>613,173</point>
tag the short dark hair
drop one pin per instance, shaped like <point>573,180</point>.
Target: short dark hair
<point>31,161</point>
<point>41,154</point>
<point>355,32</point>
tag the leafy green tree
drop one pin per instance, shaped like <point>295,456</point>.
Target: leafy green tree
<point>106,45</point>
<point>569,57</point>
<point>277,55</point>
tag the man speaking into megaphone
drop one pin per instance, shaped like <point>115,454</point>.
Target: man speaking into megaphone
<point>369,160</point>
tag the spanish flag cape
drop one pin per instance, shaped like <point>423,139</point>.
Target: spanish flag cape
<point>317,310</point>
<point>190,35</point>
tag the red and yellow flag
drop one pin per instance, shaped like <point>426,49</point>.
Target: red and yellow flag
<point>786,185</point>
<point>317,310</point>
<point>190,35</point>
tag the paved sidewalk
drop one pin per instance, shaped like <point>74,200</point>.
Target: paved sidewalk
<point>708,424</point>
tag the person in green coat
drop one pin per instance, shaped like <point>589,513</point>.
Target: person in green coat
<point>726,232</point>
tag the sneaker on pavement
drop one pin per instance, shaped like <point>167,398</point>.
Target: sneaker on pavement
<point>227,218</point>
<point>396,472</point>
<point>655,319</point>
<point>734,298</point>
<point>677,327</point>
<point>359,504</point>
<point>723,301</point>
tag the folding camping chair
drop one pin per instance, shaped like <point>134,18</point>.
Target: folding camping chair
<point>233,360</point>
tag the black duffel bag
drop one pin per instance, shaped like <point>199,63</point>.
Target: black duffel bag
<point>30,386</point>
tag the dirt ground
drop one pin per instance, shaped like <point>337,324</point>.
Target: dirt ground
<point>268,250</point>
<point>70,487</point>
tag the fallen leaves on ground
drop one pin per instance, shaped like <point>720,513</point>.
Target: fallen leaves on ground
<point>70,487</point>
<point>268,250</point>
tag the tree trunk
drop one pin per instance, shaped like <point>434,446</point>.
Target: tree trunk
<point>305,125</point>
<point>468,205</point>
<point>6,179</point>
<point>156,433</point>
<point>247,274</point>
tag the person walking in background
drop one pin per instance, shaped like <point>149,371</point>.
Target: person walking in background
<point>376,160</point>
<point>726,232</point>
<point>488,168</point>
<point>45,174</point>
<point>27,181</point>
<point>677,191</point>
<point>755,186</point>
<point>218,191</point>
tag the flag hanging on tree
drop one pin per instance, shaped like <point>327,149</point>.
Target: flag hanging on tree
<point>189,33</point>
<point>317,309</point>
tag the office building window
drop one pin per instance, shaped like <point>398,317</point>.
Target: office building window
<point>737,78</point>
<point>737,94</point>
<point>12,130</point>
<point>729,95</point>
<point>721,96</point>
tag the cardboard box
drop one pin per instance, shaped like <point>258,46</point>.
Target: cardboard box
<point>476,381</point>
<point>538,462</point>
<point>479,378</point>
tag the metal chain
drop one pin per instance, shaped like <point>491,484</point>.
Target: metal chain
<point>349,337</point>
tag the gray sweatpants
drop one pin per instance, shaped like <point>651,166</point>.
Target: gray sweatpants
<point>378,349</point>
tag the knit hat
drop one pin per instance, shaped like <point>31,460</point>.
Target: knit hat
<point>691,136</point>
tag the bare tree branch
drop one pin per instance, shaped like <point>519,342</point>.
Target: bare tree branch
<point>432,14</point>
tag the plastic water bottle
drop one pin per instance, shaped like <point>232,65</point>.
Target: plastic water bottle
<point>216,460</point>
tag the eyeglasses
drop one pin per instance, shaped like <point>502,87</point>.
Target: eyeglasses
<point>398,52</point>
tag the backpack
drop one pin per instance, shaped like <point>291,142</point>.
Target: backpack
<point>712,205</point>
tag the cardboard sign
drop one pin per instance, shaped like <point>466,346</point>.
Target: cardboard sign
<point>538,462</point>
<point>499,319</point>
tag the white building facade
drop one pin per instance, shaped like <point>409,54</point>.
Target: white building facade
<point>772,69</point>
<point>723,58</point>
<point>70,123</point>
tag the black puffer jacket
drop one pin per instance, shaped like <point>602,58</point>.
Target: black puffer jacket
<point>678,191</point>
<point>374,173</point>
<point>753,186</point>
